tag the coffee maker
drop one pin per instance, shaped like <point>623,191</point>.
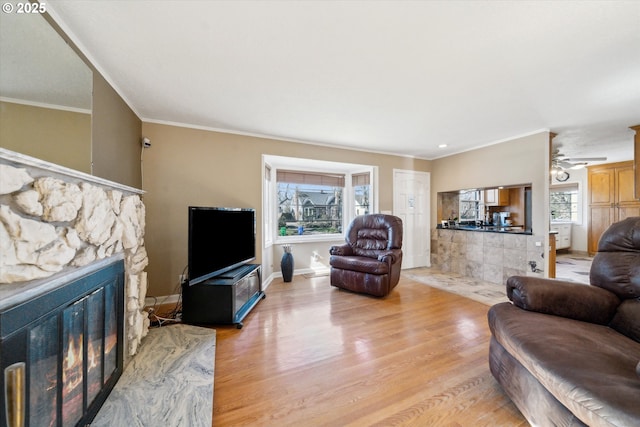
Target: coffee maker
<point>500,218</point>
<point>503,218</point>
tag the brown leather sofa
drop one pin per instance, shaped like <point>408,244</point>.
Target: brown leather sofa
<point>568,354</point>
<point>370,260</point>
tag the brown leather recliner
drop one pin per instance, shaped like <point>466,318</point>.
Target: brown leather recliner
<point>370,260</point>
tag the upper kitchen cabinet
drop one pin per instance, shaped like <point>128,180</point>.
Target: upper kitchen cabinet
<point>496,197</point>
<point>611,198</point>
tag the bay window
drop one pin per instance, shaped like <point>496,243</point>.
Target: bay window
<point>306,199</point>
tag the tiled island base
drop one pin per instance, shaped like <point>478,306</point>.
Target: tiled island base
<point>487,256</point>
<point>168,383</point>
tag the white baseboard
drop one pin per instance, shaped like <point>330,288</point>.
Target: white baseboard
<point>319,271</point>
<point>266,282</point>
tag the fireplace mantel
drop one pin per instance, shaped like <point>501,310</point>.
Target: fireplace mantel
<point>68,174</point>
<point>16,293</point>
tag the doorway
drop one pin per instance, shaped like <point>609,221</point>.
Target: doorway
<point>411,202</point>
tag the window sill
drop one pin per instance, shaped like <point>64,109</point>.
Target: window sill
<point>285,240</point>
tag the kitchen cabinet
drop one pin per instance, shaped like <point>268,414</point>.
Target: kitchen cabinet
<point>496,197</point>
<point>562,235</point>
<point>611,198</point>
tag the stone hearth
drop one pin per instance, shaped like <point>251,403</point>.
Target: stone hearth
<point>169,382</point>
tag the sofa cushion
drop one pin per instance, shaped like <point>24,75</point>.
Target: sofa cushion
<point>589,368</point>
<point>617,272</point>
<point>359,263</point>
<point>563,298</point>
<point>616,266</point>
<point>627,319</point>
<point>534,401</point>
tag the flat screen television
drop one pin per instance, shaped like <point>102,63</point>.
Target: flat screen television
<point>220,239</point>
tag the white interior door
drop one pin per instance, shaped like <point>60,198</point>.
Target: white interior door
<point>411,195</point>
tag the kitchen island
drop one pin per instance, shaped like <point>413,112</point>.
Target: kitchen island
<point>488,253</point>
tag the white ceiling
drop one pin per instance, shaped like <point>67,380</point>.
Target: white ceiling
<point>390,76</point>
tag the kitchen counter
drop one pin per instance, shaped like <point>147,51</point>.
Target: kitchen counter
<point>512,229</point>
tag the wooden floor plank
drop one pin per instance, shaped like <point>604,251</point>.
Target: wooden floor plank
<point>313,355</point>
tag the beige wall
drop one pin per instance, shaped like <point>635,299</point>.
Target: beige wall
<point>187,167</point>
<point>58,136</point>
<point>115,136</point>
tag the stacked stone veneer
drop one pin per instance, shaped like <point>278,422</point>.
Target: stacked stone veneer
<point>49,224</point>
<point>492,257</point>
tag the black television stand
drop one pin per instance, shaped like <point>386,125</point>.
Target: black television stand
<point>224,299</point>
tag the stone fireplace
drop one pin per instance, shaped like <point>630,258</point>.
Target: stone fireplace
<point>58,225</point>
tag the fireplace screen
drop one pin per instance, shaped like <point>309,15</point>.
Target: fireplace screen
<point>73,356</point>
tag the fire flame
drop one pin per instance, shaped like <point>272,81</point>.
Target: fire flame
<point>92,361</point>
<point>72,365</point>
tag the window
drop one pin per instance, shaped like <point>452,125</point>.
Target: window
<point>564,203</point>
<point>361,183</point>
<point>470,205</point>
<point>308,199</point>
<point>309,202</point>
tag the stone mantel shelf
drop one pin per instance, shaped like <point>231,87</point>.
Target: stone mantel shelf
<point>21,160</point>
<point>12,294</point>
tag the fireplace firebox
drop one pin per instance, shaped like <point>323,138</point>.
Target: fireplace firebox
<point>61,352</point>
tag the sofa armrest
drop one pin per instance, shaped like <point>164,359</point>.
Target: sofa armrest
<point>562,298</point>
<point>390,256</point>
<point>343,250</point>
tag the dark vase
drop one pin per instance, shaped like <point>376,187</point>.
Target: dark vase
<point>286,265</point>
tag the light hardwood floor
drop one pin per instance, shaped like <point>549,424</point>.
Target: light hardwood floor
<point>312,355</point>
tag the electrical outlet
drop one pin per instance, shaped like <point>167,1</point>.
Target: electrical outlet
<point>181,278</point>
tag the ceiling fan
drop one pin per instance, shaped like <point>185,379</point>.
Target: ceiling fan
<point>560,161</point>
